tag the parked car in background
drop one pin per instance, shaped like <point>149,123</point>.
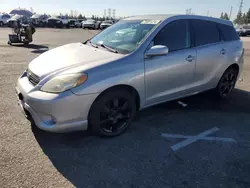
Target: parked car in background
<point>78,24</point>
<point>100,84</point>
<point>90,24</point>
<point>105,24</point>
<point>72,23</point>
<point>39,20</point>
<point>21,18</point>
<point>64,21</point>
<point>243,30</point>
<point>54,22</point>
<point>99,24</point>
<point>4,19</point>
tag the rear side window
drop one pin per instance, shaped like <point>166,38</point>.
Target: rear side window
<point>174,35</point>
<point>228,32</point>
<point>205,32</point>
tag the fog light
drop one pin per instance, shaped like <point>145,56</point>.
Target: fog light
<point>48,119</point>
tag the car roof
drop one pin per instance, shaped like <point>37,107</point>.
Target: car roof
<point>163,17</point>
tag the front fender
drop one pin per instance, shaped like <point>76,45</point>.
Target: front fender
<point>121,72</point>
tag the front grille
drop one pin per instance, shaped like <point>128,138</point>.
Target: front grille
<point>34,79</point>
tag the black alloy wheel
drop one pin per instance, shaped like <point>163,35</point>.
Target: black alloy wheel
<point>115,114</point>
<point>227,83</point>
<point>112,113</point>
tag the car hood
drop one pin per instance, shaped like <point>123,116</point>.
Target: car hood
<point>70,56</point>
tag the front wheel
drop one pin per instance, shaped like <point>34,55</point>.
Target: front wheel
<point>226,83</point>
<point>112,113</point>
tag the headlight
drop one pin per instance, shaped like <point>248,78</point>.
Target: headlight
<point>64,82</point>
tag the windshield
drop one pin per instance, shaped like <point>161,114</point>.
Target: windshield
<point>109,22</point>
<point>126,35</point>
<point>89,21</point>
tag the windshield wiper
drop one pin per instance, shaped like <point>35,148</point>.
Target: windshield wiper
<point>108,48</point>
<point>92,44</point>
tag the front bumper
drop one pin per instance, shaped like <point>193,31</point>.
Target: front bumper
<point>104,26</point>
<point>62,112</point>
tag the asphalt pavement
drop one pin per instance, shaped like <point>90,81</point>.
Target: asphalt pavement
<point>204,144</point>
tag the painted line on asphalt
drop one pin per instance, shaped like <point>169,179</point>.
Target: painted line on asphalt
<point>192,139</point>
<point>20,63</point>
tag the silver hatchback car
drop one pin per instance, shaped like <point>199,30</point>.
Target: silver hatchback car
<point>136,63</point>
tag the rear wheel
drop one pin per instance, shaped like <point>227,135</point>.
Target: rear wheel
<point>112,113</point>
<point>1,24</point>
<point>226,83</point>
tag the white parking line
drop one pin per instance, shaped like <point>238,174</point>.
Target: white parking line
<point>3,64</point>
<point>192,139</point>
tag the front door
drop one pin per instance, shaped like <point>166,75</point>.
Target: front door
<point>171,76</point>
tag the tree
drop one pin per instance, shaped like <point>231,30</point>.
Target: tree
<point>226,17</point>
<point>238,19</point>
<point>248,17</point>
<point>222,16</point>
<point>80,16</point>
<point>244,18</point>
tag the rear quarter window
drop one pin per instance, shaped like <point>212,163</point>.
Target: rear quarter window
<point>228,32</point>
<point>205,32</point>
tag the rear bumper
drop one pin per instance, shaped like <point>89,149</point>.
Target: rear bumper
<point>88,26</point>
<point>244,33</point>
<point>62,112</point>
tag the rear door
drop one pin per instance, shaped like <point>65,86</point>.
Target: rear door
<point>211,52</point>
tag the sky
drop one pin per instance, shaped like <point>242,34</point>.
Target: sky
<point>127,7</point>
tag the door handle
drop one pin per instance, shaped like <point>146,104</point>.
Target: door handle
<point>223,51</point>
<point>190,58</point>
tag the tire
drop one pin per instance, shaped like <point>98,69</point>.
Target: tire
<point>26,43</point>
<point>112,113</point>
<point>226,83</point>
<point>1,24</point>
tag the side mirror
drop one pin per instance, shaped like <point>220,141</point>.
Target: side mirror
<point>158,50</point>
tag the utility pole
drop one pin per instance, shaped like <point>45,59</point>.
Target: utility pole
<point>240,11</point>
<point>241,6</point>
<point>113,11</point>
<point>105,13</point>
<point>207,13</point>
<point>109,13</point>
<point>231,10</point>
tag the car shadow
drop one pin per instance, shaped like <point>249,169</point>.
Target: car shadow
<point>30,46</point>
<point>86,160</point>
<point>36,49</point>
<point>39,51</point>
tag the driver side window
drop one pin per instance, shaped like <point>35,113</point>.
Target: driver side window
<point>175,36</point>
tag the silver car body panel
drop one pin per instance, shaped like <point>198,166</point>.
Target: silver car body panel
<point>156,79</point>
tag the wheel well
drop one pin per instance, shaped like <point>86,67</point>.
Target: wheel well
<point>129,88</point>
<point>235,67</point>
